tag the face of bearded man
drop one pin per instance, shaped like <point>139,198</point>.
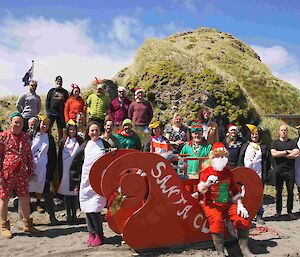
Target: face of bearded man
<point>219,163</point>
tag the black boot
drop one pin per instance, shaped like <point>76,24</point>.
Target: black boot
<point>74,207</point>
<point>50,207</point>
<point>218,240</point>
<point>68,207</point>
<point>243,236</point>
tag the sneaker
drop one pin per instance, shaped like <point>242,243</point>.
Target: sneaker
<point>292,216</point>
<point>97,241</point>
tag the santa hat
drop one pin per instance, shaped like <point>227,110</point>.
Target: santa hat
<point>218,148</point>
<point>138,90</point>
<point>232,127</point>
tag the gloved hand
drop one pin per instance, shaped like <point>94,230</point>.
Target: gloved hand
<point>242,211</point>
<point>212,179</point>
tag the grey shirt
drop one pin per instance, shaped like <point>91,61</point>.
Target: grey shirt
<point>29,105</point>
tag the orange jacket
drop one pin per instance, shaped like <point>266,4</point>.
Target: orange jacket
<point>73,107</point>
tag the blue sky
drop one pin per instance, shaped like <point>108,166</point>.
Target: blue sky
<point>84,39</point>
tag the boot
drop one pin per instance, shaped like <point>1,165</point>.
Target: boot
<point>243,236</point>
<point>218,240</point>
<point>28,227</point>
<point>50,208</point>
<point>97,240</point>
<point>5,229</point>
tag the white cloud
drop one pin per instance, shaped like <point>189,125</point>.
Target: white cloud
<point>282,63</point>
<point>68,49</point>
<point>57,48</point>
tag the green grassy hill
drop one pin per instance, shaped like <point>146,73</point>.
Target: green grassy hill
<point>212,68</point>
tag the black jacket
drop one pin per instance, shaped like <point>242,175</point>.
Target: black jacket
<point>266,165</point>
<point>76,166</point>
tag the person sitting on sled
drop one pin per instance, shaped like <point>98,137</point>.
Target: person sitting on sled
<point>222,199</point>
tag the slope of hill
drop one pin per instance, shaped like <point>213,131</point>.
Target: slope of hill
<point>212,68</point>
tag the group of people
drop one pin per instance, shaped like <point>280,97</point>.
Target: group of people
<point>29,158</point>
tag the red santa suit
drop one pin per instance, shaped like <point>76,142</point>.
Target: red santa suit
<point>217,201</point>
<point>16,164</point>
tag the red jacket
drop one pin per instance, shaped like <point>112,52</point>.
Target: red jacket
<point>73,107</point>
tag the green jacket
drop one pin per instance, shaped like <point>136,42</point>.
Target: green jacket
<point>97,106</point>
<point>129,142</point>
<point>203,151</point>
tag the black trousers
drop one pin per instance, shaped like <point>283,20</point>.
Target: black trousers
<point>71,205</point>
<point>94,223</point>
<point>289,179</point>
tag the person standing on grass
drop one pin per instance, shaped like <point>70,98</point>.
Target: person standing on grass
<point>284,152</point>
<point>16,168</point>
<point>98,104</point>
<point>74,105</point>
<point>90,202</point>
<point>140,111</point>
<point>118,110</point>
<point>29,104</point>
<point>55,105</point>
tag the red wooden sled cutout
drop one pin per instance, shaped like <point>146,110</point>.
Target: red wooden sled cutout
<point>156,210</point>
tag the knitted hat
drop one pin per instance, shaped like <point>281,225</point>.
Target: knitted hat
<point>196,126</point>
<point>138,90</point>
<point>15,114</point>
<point>218,148</point>
<point>126,121</point>
<point>154,124</point>
<point>232,127</point>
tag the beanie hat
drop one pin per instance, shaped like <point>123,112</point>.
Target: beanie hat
<point>138,90</point>
<point>232,127</point>
<point>196,126</point>
<point>218,148</point>
<point>15,114</point>
<point>126,121</point>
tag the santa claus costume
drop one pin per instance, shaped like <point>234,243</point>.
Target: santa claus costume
<point>222,199</point>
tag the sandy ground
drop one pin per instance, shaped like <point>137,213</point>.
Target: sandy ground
<point>278,237</point>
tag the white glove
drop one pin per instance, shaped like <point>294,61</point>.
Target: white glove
<point>212,179</point>
<point>242,211</point>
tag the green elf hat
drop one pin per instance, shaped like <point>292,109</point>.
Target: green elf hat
<point>196,127</point>
<point>15,114</point>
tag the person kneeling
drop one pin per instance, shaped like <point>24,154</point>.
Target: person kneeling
<point>217,184</point>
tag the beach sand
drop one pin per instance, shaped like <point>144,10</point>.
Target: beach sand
<point>278,237</point>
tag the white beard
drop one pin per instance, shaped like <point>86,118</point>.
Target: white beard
<point>219,163</point>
